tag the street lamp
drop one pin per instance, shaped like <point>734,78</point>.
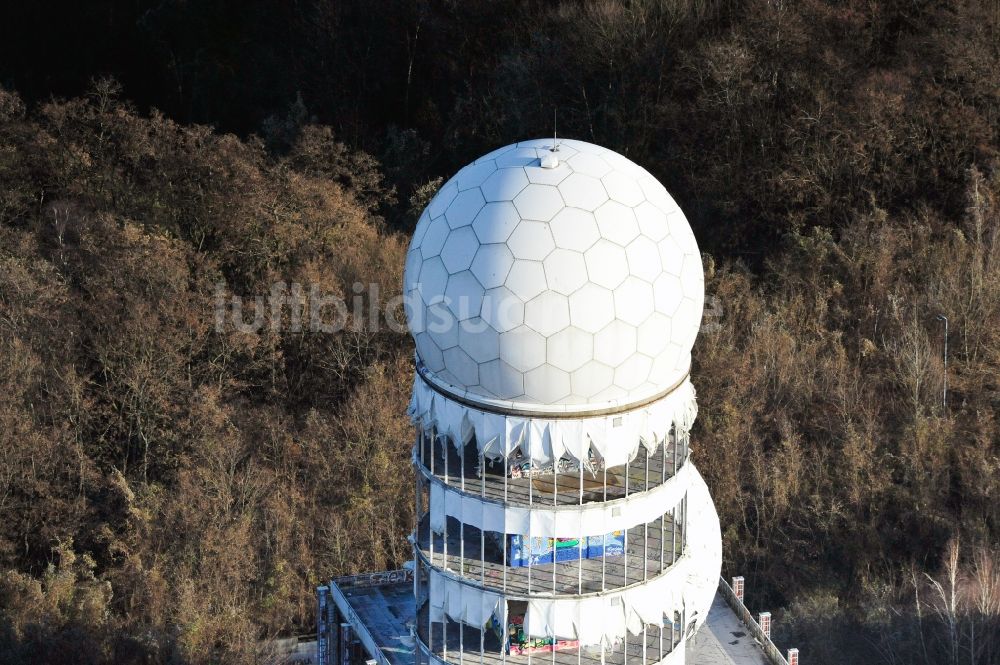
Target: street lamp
<point>944,393</point>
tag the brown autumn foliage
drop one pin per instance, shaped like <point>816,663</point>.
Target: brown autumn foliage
<point>835,467</point>
<point>169,493</point>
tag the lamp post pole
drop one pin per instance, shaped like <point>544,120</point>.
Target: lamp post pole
<point>944,392</point>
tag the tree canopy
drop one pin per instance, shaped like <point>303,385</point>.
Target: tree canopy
<point>173,492</point>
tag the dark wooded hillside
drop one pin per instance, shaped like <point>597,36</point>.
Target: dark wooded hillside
<point>169,493</point>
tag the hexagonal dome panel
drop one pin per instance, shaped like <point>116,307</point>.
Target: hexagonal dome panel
<point>576,284</point>
<point>540,202</point>
<point>522,348</point>
<point>531,240</point>
<point>526,279</point>
<point>549,176</point>
<point>654,335</point>
<point>657,195</point>
<point>607,264</point>
<point>504,184</point>
<point>432,280</point>
<point>590,163</point>
<point>644,259</point>
<point>623,188</point>
<point>652,221</point>
<point>615,343</point>
<point>547,313</point>
<point>430,354</point>
<point>496,221</point>
<point>633,300</point>
<point>462,366</point>
<point>629,374</point>
<point>480,340</point>
<point>519,156</point>
<point>570,349</point>
<point>591,379</point>
<point>464,295</point>
<point>580,190</point>
<point>434,237</point>
<point>591,307</point>
<point>671,256</point>
<point>442,199</point>
<point>491,264</point>
<point>473,175</point>
<point>550,384</point>
<point>412,267</point>
<point>616,222</point>
<point>565,271</point>
<point>502,309</point>
<point>501,379</point>
<point>442,325</point>
<point>420,229</point>
<point>667,294</point>
<point>464,208</point>
<point>459,249</point>
<point>575,229</point>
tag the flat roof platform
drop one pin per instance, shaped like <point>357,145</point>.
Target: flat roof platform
<point>723,640</point>
<point>380,609</point>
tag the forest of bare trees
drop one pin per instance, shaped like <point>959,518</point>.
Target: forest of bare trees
<point>172,493</point>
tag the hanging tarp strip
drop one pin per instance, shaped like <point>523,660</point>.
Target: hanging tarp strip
<point>616,437</point>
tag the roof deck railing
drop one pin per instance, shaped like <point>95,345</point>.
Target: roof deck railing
<point>335,592</point>
<point>767,646</point>
<point>381,578</point>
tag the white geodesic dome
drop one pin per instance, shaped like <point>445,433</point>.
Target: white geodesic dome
<point>576,284</point>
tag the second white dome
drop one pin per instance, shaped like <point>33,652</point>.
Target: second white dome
<point>574,284</point>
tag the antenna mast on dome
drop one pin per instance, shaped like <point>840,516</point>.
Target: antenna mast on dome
<point>551,160</point>
<point>555,126</point>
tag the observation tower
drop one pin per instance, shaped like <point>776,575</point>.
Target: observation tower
<point>554,291</point>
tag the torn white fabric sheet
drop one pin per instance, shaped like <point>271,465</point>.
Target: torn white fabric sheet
<point>614,437</point>
<point>470,605</point>
<point>704,544</point>
<point>438,510</point>
<point>592,620</point>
